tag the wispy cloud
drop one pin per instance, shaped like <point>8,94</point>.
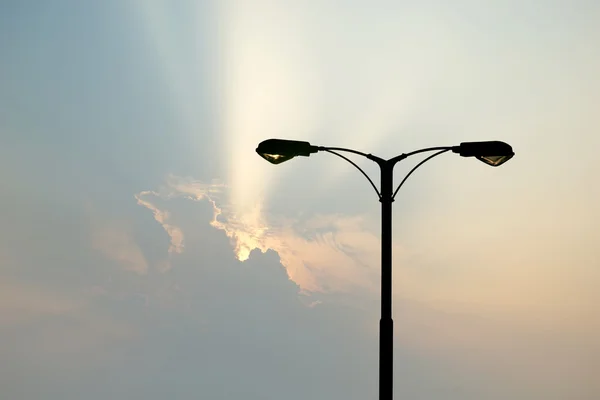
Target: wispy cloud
<point>71,323</point>
<point>19,302</point>
<point>116,242</point>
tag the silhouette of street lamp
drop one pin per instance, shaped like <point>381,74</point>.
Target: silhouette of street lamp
<point>492,153</point>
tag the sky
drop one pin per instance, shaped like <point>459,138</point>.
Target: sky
<point>147,252</point>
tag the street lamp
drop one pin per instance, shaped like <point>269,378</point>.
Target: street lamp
<point>493,153</point>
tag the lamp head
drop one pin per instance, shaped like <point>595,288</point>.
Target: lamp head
<point>494,153</point>
<point>277,151</point>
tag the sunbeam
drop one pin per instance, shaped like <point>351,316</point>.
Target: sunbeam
<point>268,84</point>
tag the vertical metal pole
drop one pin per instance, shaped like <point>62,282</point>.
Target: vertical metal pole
<point>386,324</point>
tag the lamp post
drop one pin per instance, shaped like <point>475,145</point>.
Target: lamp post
<point>493,153</point>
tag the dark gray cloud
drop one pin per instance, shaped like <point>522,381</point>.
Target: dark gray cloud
<point>211,326</point>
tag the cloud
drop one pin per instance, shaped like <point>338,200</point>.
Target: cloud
<point>20,303</point>
<point>218,326</point>
<point>245,333</point>
<point>42,326</point>
<point>115,241</point>
<point>323,253</point>
<point>162,217</point>
<point>454,310</point>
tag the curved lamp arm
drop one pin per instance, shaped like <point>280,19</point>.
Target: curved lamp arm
<point>442,151</point>
<point>360,153</point>
<point>380,161</point>
<point>330,150</point>
<point>412,153</point>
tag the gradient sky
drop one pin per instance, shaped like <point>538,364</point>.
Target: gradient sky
<point>147,252</point>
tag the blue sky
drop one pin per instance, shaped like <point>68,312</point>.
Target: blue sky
<point>146,251</point>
